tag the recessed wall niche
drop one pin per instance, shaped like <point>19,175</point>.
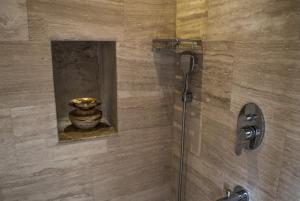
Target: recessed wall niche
<point>85,69</point>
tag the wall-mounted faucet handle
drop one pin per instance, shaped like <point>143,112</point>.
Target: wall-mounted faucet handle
<point>247,133</point>
<point>238,194</point>
<point>228,193</point>
<point>251,117</point>
<point>250,128</point>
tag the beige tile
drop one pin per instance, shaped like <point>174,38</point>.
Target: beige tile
<point>135,164</point>
<point>157,193</point>
<point>13,20</point>
<point>76,20</point>
<point>7,140</point>
<point>26,74</point>
<point>258,20</point>
<point>191,18</point>
<point>146,20</point>
<point>252,55</point>
<point>289,178</point>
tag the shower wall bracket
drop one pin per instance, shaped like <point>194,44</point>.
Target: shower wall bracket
<point>178,46</point>
<point>250,128</point>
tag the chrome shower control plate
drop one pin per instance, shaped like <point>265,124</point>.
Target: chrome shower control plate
<point>238,194</point>
<point>250,128</point>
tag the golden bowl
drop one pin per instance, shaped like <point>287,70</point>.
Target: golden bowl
<point>84,103</point>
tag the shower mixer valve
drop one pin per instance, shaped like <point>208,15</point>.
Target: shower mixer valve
<point>248,135</point>
<point>238,194</point>
<point>250,129</point>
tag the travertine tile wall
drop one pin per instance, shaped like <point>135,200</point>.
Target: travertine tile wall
<point>135,165</point>
<point>251,54</point>
<point>13,20</point>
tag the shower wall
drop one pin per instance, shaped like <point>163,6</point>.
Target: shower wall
<point>251,54</point>
<point>135,164</point>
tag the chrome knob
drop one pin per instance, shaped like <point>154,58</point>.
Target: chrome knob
<point>248,133</point>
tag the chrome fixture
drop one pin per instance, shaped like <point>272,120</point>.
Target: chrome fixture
<point>177,45</point>
<point>187,53</point>
<point>238,194</point>
<point>250,128</point>
<point>187,64</point>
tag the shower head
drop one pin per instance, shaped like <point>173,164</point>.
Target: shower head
<point>187,63</point>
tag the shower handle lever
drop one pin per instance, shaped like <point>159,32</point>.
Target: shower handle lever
<point>248,133</point>
<point>239,194</point>
<point>250,136</point>
<point>250,128</point>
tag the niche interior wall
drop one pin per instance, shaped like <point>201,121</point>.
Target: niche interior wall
<point>85,69</point>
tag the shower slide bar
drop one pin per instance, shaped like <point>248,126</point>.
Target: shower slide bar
<point>177,45</point>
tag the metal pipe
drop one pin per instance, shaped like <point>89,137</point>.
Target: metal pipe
<point>185,94</point>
